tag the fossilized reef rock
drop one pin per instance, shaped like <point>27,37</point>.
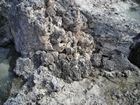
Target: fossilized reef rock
<point>55,28</point>
<point>62,41</point>
<point>47,25</point>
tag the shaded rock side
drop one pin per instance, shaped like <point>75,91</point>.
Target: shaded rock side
<point>5,32</point>
<point>134,55</point>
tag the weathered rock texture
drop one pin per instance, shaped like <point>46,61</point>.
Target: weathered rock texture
<point>55,28</point>
<point>62,41</point>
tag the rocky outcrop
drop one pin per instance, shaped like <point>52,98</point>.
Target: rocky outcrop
<point>43,88</point>
<point>47,30</point>
<point>47,89</point>
<point>62,42</point>
<point>56,29</point>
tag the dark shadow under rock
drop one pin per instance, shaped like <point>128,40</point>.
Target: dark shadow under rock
<point>5,35</point>
<point>134,56</point>
<point>8,56</point>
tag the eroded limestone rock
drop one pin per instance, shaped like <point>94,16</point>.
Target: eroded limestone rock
<point>52,26</point>
<point>61,42</point>
<point>24,67</point>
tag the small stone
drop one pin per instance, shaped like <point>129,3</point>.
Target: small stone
<point>50,11</point>
<point>96,60</point>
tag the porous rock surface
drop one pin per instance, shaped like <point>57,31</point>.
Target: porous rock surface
<point>68,48</point>
<point>54,28</point>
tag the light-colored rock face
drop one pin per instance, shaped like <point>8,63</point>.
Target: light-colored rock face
<point>61,43</point>
<point>45,89</point>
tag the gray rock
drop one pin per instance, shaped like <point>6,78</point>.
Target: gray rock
<point>47,58</point>
<point>45,35</point>
<point>31,39</point>
<point>50,11</point>
<point>96,60</point>
<point>24,67</point>
<point>61,42</point>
